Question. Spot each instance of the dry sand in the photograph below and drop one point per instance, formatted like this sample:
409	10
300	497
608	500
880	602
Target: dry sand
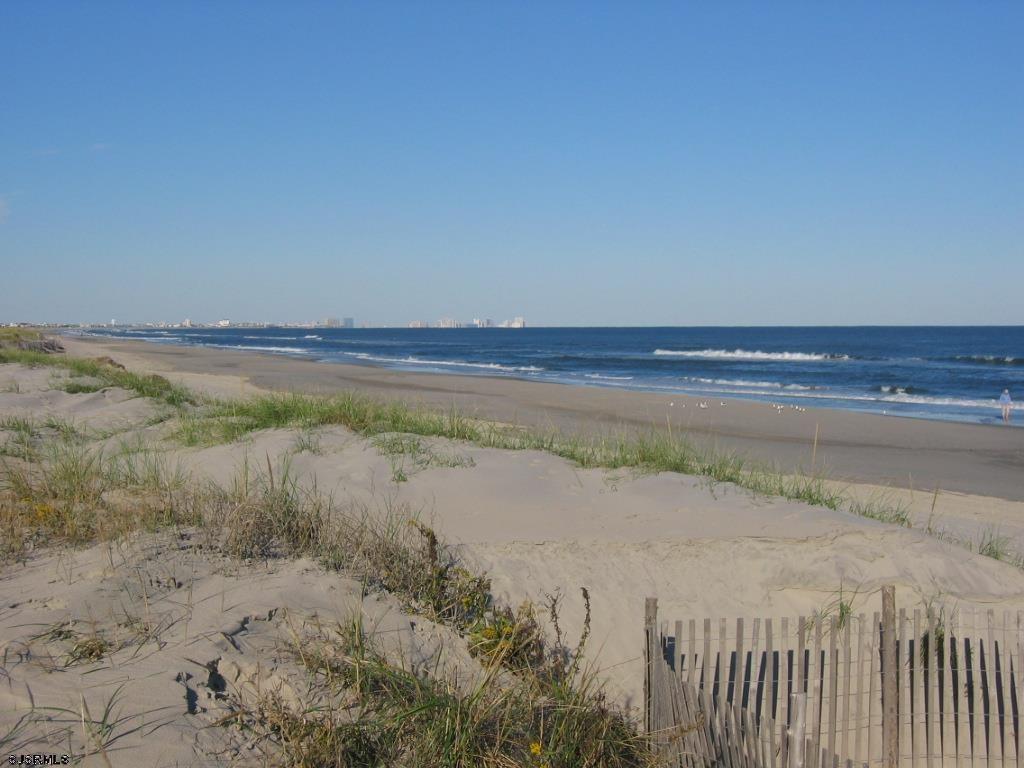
536	523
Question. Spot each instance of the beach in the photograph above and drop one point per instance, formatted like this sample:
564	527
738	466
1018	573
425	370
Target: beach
537	525
910	454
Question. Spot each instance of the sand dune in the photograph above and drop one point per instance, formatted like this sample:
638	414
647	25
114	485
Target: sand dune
535	523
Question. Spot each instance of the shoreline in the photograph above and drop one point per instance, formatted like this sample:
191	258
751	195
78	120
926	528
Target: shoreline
907	453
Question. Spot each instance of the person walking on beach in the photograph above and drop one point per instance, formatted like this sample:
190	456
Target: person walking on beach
1005	403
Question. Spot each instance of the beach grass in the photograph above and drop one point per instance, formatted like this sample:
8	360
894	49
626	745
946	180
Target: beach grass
15	335
394	426
530	703
212	421
143	384
530	719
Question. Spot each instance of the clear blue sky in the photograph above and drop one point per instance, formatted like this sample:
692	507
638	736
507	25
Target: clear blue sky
591	163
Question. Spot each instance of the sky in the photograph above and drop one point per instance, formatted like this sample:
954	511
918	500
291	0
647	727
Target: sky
575	163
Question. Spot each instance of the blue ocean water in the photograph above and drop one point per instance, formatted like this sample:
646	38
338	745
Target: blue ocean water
929	372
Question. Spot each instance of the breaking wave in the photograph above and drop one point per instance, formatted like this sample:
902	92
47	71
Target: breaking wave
743	354
445	363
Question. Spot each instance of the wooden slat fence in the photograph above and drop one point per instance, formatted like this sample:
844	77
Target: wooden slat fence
809	691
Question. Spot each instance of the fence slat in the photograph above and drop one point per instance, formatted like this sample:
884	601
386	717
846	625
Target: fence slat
798	732
1006	675
756	753
739	668
692	748
785	684
931	679
979	740
859	708
906	711
769	670
815	691
723	674
752	698
731	750
948	719
692	661
674	737
650	619
1018	687
873	685
680	655
705	683
995	751
701	705
917	687
801	679
1006	699
845	701
706	749
960	694
833	698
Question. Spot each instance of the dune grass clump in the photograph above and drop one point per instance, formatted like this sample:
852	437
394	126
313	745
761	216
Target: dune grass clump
368	711
12	336
71	493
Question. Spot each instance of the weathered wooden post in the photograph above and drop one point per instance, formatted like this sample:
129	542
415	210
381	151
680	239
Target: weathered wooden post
890	678
650	638
796	734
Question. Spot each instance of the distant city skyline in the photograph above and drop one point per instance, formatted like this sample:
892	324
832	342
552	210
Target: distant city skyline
578	164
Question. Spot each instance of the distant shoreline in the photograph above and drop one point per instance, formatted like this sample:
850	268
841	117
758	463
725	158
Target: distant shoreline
859	447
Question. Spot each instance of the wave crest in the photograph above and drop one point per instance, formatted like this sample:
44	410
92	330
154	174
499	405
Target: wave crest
989	359
743	354
445	363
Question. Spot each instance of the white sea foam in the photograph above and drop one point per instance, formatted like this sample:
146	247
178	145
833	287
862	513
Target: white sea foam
745	383
603	377
313	336
262	348
989	359
743	354
272	338
445	363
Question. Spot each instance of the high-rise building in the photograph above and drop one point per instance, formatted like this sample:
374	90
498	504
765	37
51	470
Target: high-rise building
419	324
330	322
348	322
447	322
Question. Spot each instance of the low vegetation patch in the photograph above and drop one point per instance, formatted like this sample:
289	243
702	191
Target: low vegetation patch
142	384
532	706
409	454
396	429
373	713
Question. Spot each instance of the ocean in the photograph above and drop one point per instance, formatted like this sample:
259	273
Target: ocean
951	373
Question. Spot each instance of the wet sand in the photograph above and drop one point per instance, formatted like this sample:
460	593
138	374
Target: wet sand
985	460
